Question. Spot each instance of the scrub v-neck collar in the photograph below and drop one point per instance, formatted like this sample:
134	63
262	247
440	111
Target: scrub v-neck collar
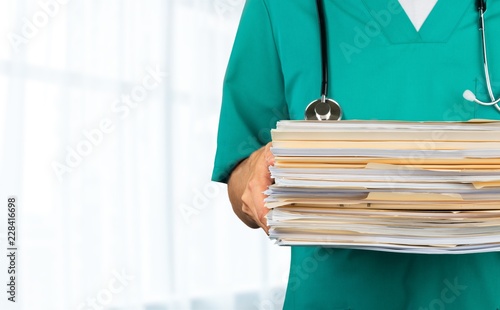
438	27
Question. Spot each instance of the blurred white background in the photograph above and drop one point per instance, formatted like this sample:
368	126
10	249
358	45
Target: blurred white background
108	120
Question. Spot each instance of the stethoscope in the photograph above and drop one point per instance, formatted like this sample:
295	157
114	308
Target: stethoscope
469	95
325	108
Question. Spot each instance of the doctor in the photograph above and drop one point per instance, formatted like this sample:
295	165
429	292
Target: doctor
388	60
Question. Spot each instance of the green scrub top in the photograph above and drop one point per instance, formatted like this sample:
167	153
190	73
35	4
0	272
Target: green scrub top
381	68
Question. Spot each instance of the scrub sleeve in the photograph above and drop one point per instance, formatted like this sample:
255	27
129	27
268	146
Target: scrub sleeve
253	95
389	72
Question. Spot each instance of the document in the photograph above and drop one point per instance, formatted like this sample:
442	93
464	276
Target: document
414	187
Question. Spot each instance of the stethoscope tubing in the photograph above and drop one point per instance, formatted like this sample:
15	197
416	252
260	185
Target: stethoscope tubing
324	49
494	101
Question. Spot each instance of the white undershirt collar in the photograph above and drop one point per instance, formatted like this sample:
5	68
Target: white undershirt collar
418	10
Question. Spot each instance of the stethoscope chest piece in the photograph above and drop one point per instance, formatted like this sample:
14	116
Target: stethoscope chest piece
323	109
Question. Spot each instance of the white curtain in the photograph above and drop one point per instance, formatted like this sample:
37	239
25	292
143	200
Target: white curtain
108	119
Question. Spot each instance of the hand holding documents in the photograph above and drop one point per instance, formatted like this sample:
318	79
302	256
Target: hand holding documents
417	187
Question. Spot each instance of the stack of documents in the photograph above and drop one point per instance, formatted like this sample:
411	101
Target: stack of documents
430	187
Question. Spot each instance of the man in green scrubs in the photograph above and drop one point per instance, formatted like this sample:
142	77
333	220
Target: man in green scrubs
381	68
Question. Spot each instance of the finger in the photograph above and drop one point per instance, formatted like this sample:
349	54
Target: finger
251	208
269	156
261	210
264	226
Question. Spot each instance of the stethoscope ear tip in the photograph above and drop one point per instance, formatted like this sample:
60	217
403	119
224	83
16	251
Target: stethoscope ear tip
469	96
